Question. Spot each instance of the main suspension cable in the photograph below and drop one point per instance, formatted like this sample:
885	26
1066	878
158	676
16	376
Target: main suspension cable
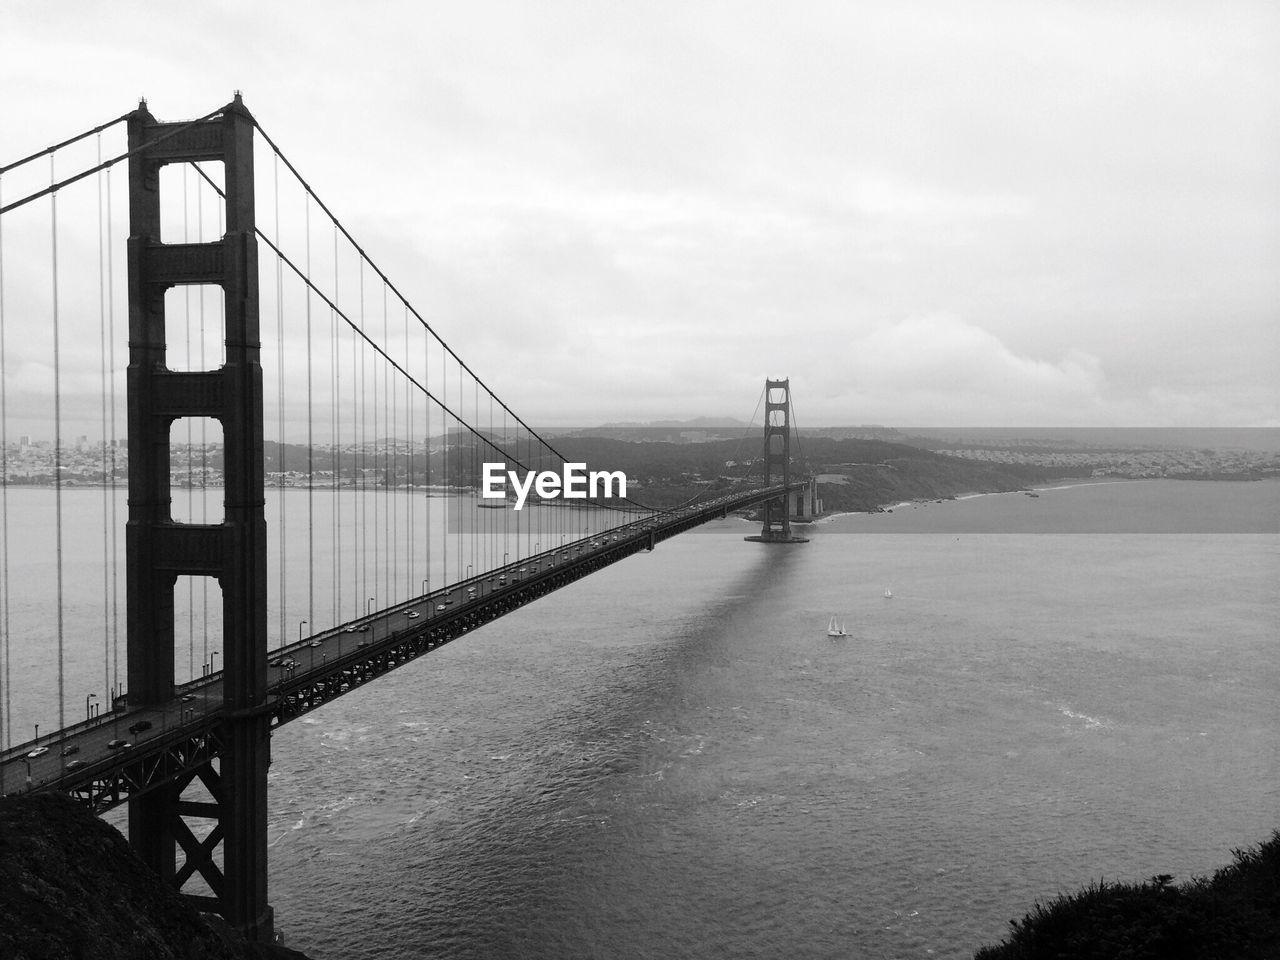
394	289
55	187
66	143
366	339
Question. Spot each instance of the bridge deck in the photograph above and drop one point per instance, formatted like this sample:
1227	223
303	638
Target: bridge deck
185	732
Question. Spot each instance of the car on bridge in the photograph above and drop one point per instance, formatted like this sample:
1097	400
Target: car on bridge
68	751
140	726
314	643
37	752
412	614
118	744
76	764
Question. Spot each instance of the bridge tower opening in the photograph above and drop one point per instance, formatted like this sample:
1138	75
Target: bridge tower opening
777	463
159	549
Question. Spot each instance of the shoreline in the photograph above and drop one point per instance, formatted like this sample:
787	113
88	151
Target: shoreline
889	507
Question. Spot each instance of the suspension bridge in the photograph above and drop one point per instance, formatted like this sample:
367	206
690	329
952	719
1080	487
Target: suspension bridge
260	335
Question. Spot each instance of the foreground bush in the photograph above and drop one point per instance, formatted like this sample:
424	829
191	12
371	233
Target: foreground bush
1233	916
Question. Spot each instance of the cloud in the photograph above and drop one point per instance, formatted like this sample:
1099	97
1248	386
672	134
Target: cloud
1058	214
927	369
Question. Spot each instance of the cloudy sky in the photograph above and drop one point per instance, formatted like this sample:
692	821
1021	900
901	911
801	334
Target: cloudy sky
991	213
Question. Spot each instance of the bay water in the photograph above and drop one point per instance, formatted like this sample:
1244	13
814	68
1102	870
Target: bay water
671	758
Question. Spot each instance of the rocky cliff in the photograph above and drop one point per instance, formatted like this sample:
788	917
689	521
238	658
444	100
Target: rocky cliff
71	888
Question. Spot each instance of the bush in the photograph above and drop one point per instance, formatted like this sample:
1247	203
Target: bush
1233	916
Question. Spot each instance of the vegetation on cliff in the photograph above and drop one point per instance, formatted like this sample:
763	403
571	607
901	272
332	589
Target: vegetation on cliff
1235	915
71	888
865	475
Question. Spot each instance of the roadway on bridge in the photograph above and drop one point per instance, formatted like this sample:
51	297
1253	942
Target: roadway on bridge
85	745
84	750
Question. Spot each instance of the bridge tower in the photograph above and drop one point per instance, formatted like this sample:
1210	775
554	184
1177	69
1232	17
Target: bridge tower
777	462
159	550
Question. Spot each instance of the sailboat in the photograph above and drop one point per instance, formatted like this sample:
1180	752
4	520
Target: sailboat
888	594
835	629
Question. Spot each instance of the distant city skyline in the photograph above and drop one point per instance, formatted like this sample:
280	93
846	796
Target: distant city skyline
995	214
1261	439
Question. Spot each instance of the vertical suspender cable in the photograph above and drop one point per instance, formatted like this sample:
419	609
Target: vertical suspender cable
490	547
388	471
459	525
475	472
283	597
186	313
6	719
115	564
510	451
427	475
337	446
106	486
311	461
377	592
448	488
57	445
357	461
408	403
204	454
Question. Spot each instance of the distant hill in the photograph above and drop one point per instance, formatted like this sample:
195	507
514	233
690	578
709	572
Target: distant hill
873	473
697	423
1101	438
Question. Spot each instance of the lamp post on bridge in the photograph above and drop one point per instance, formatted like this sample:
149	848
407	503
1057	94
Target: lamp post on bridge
425	584
92	696
367	604
300	625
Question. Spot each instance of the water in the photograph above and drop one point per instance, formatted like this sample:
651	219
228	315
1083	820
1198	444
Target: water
672	759
342	557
